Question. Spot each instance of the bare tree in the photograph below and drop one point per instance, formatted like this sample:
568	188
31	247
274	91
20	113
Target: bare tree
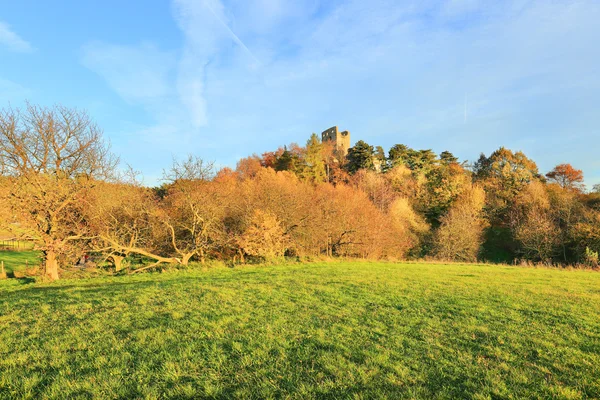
125	218
191	169
192	209
50	158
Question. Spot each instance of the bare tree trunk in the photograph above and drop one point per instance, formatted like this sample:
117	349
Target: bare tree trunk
185	260
117	262
51	266
137	250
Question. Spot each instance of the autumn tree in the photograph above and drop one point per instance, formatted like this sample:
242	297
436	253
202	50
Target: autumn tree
314	164
226	174
376	186
125	218
192	210
503	175
51	158
460	234
264	237
567	211
402	181
269	159
567	177
278	193
586	234
509	169
443	184
411	227
248	167
335	165
533	225
348	224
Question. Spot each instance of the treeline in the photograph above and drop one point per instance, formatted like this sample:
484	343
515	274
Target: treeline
500	208
59	186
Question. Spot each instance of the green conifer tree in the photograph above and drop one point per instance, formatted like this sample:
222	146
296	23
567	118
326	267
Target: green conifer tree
314	166
360	157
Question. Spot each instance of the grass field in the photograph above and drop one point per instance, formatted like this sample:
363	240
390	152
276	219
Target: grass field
340	330
19	260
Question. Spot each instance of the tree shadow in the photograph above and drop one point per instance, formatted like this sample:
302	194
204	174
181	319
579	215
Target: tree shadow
23	280
26	280
105	288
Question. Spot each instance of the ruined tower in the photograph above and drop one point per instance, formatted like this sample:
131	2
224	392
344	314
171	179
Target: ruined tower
341	140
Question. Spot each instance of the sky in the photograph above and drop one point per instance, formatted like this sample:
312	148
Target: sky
222	79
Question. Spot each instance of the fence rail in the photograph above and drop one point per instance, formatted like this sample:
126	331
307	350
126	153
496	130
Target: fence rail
16	244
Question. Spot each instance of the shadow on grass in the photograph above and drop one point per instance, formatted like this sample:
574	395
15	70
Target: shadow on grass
64	294
22	280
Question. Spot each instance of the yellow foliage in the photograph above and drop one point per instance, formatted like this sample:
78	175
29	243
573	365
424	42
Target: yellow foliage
264	237
460	235
405	218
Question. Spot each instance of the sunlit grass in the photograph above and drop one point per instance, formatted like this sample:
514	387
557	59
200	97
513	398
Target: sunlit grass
19	260
340	330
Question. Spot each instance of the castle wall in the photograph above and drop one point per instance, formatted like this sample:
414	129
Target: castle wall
341	139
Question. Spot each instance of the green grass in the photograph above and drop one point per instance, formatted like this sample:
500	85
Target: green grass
19	260
340	330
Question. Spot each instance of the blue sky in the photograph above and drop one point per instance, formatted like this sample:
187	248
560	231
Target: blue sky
223	79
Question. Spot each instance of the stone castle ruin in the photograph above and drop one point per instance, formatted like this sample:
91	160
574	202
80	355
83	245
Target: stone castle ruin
341	140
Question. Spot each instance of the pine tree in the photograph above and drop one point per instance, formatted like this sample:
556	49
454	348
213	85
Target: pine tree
287	161
447	157
360	157
398	155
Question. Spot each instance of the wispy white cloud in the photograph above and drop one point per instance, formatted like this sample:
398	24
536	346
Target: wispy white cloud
136	73
171	84
235	37
207	39
395	72
389	71
13	41
144	76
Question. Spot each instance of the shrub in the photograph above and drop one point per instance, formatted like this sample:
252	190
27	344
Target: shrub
591	257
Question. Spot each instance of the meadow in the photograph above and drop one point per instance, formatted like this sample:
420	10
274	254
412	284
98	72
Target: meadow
15	261
330	330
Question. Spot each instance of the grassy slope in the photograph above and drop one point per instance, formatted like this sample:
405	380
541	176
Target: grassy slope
16	260
333	331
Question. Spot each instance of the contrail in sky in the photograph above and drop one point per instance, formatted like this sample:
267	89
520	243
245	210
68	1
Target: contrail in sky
465	121
233	35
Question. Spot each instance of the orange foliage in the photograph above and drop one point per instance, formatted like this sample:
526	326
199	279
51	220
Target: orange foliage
567	177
